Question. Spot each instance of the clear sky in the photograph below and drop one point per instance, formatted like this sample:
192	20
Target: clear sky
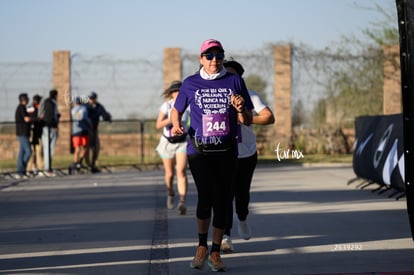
30	30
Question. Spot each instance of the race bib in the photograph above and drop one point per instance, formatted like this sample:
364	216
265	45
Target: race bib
215	125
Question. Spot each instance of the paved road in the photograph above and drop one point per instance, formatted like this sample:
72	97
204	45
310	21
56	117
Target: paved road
305	220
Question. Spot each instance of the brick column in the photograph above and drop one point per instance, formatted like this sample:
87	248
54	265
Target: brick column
172	65
61	82
282	93
392	80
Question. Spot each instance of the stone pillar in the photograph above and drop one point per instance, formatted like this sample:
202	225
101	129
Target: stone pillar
61	82
392	80
172	65
283	93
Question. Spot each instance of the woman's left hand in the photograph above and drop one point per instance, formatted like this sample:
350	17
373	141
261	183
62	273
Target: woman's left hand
237	101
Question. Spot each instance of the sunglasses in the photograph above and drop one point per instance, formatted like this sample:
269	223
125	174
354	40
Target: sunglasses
210	56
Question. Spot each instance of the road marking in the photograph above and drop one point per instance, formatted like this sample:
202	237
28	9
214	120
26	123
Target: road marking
76	266
159	257
73	252
161	264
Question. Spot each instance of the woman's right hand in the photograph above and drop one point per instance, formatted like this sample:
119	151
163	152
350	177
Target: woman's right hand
175	117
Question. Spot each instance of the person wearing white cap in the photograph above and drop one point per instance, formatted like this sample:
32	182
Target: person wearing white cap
81	125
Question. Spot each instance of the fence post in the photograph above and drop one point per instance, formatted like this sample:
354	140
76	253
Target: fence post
282	55
392	80
142	141
172	65
61	82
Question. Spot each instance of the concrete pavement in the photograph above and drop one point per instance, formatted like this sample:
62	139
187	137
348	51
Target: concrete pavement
305	220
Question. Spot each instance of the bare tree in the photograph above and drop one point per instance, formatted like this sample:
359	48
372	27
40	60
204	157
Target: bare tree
349	79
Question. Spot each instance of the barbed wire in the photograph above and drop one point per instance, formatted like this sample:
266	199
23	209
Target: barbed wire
22	77
131	88
127	88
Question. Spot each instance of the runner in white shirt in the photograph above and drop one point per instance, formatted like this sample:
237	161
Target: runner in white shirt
247	160
173	151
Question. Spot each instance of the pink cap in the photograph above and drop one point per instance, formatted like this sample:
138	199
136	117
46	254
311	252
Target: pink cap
210	43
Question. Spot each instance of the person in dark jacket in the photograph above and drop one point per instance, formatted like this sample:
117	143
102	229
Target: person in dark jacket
23	120
36	160
48	113
95	112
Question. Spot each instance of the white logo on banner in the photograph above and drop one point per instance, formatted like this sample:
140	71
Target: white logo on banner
363	144
380	149
391	162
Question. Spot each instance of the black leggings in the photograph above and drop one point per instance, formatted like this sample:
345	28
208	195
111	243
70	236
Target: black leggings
213	175
241	190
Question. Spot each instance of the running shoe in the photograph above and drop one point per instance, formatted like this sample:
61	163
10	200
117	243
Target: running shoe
21	177
244	230
41	174
50	174
170	202
215	263
182	209
95	170
200	257
226	244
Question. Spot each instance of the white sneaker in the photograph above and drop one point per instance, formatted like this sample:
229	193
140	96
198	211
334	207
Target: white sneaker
244	230
170	202
50	174
21	177
41	174
226	244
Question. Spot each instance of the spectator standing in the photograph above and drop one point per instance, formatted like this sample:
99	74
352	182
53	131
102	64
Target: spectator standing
218	100
36	160
95	111
23	120
247	160
48	113
173	151
81	125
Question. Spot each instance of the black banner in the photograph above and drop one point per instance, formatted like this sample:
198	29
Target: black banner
379	150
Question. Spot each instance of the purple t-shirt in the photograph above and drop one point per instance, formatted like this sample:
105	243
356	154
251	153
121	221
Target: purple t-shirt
213	120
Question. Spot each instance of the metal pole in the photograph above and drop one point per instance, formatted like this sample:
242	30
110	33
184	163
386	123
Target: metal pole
142	142
405	9
49	151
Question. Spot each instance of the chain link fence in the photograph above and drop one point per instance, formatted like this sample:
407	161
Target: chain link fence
131	90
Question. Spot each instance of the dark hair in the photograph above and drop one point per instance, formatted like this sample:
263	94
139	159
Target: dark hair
93	95
235	65
78	100
23	96
53	93
174	86
37	98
